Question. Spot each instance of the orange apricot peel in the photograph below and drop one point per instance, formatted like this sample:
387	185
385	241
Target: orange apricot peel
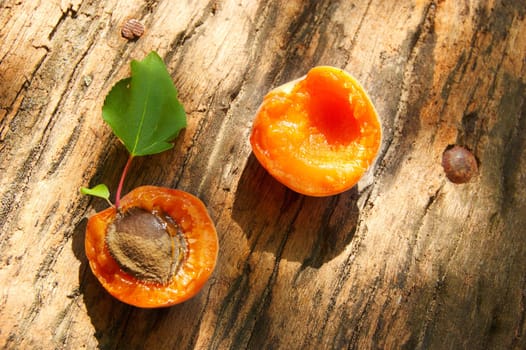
317	135
199	233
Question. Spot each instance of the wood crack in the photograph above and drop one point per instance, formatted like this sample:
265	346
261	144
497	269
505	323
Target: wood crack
521	321
401	119
354	339
431	314
412	244
262	304
231	305
188	156
342	277
12	107
195	333
67	148
188	34
358	30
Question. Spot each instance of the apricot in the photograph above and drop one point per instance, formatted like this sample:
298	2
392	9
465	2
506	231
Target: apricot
157	250
317	135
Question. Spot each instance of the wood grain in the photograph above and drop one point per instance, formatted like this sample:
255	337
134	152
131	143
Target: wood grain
405	259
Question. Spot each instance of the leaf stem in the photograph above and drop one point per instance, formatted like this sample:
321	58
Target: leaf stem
121	182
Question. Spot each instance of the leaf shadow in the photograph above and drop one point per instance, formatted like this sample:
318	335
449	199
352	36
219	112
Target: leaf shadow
308	230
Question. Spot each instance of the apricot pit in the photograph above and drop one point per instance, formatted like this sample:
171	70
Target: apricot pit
147	245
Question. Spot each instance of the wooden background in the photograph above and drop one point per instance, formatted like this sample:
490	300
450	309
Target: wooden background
405	259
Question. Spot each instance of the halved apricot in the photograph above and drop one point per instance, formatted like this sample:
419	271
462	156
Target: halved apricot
157	250
317	135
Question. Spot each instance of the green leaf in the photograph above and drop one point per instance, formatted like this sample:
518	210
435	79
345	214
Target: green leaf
97	191
143	110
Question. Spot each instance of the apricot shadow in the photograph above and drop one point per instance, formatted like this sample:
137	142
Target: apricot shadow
309	230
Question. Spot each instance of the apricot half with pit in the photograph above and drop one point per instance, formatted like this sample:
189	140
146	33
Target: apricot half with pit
157	250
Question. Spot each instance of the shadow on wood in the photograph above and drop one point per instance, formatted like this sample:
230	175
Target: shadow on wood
308	230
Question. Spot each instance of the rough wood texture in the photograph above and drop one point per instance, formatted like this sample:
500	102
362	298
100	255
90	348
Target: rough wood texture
405	259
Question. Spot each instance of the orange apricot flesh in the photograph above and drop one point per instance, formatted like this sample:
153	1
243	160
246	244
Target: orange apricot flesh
317	135
198	230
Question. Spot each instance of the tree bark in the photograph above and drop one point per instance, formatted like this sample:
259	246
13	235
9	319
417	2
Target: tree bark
405	259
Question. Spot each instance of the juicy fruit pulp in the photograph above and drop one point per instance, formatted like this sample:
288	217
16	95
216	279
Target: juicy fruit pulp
190	249
317	135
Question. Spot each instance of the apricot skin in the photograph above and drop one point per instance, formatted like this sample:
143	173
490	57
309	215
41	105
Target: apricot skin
317	135
200	235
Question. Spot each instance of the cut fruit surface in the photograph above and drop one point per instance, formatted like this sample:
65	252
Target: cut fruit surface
196	253
317	135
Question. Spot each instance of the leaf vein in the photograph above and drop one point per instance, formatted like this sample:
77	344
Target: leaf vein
143	116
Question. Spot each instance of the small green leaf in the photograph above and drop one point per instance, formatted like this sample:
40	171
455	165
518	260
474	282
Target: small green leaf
143	110
97	191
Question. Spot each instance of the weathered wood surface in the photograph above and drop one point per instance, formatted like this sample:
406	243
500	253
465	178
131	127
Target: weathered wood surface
405	259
